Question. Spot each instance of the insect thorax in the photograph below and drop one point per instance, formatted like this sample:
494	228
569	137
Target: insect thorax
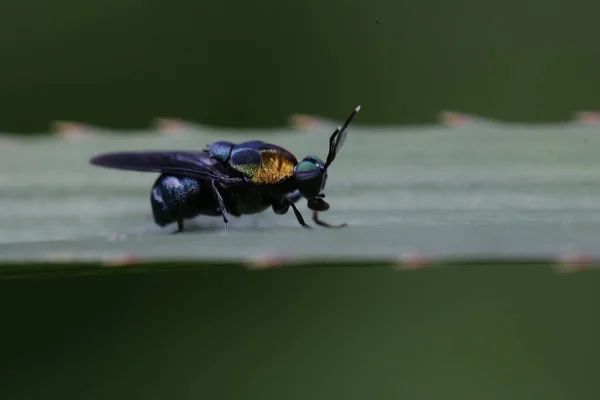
263	166
220	150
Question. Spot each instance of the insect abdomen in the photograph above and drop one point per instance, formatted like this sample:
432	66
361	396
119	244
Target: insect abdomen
174	197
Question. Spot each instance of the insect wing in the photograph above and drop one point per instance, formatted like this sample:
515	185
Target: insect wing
193	164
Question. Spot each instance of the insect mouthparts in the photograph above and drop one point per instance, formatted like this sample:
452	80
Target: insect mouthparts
318	204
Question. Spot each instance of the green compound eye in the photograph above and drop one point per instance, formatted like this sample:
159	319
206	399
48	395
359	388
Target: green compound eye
310	175
306	170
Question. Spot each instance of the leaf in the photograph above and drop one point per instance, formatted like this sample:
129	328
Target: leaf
487	192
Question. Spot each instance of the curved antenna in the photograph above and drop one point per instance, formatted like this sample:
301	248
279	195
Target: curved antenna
337	139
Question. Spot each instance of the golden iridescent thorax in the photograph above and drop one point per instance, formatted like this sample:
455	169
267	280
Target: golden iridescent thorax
274	167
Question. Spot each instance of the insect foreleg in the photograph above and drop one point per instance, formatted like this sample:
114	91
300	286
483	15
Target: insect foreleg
281	208
315	217
294	196
282	205
298	215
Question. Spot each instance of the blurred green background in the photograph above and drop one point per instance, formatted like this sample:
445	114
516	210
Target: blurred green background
121	63
503	333
479	332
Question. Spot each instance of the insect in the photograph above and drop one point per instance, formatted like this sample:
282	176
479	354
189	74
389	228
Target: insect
232	179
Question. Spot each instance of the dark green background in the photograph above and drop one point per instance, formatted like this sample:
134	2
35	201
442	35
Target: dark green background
123	62
480	332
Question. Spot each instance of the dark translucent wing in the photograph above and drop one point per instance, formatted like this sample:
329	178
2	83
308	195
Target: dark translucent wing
337	139
194	164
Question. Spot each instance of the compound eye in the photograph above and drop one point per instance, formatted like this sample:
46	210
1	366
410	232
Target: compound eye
315	160
307	170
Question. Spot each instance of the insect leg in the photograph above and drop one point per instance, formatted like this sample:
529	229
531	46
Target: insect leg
280	208
299	216
180	224
294	196
222	208
315	217
281	205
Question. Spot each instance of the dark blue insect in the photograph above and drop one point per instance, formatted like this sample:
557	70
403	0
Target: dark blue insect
231	179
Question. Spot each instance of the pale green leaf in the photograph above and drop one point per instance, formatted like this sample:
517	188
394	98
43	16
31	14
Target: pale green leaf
484	190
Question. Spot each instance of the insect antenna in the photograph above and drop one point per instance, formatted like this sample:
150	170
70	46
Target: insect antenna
337	139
